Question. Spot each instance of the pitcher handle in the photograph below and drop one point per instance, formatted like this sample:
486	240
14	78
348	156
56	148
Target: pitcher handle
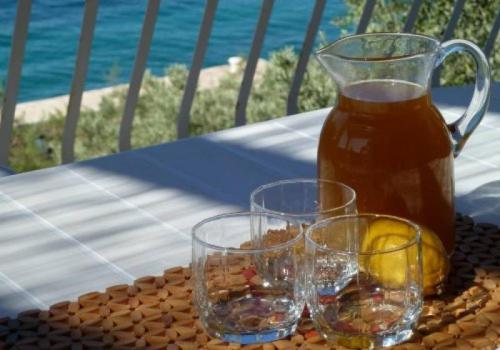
463	127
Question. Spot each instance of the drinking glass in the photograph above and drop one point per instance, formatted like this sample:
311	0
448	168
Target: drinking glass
237	300
304	199
379	302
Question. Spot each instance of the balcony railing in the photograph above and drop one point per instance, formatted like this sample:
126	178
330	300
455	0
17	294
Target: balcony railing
82	60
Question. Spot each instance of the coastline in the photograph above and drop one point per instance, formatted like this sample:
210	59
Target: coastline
39	110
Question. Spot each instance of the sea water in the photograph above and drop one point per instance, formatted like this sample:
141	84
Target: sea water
55	29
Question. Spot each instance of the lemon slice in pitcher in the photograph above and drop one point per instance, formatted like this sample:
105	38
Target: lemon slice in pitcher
390	268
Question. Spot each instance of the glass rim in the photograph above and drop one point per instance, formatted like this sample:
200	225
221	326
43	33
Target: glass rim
261	188
415	240
324	51
249	214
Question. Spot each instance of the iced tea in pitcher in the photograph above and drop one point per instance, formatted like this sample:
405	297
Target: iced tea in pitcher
385	138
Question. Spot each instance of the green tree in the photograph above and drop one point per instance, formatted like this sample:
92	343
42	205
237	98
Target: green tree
475	23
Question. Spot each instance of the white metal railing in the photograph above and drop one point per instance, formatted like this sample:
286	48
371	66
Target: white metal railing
490	42
14	74
194	72
81	65
141	58
366	15
412	15
240	117
124	141
448	34
312	30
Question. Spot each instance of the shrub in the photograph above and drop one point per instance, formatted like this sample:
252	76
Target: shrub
38	145
157	110
474	24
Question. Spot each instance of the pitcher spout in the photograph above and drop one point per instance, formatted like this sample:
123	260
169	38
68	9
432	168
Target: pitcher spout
380	56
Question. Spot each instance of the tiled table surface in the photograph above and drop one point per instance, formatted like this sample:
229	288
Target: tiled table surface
77	228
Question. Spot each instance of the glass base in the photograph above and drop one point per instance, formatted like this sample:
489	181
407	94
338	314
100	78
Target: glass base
395	337
257	337
386	339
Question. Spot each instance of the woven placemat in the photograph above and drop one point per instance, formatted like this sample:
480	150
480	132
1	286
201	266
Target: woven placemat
156	312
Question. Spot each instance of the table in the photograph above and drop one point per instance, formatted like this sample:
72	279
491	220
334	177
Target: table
85	226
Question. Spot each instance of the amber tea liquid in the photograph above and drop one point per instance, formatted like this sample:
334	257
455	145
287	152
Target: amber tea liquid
386	140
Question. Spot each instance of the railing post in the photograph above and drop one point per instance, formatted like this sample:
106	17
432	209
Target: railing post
13	76
194	72
141	58
312	30
457	10
366	16
251	64
80	74
412	16
488	47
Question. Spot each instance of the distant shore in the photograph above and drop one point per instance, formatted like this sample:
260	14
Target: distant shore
38	110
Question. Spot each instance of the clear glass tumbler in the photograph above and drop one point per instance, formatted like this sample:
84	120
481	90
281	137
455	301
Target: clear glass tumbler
376	303
305	200
245	290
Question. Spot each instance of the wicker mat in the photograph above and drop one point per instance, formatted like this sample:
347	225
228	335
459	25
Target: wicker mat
156	312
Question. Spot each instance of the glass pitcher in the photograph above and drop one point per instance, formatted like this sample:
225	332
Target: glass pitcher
385	138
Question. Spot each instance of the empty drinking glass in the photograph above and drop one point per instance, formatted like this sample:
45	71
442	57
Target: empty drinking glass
305	200
248	291
379	302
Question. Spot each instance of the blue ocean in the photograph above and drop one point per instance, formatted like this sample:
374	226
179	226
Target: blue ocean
55	29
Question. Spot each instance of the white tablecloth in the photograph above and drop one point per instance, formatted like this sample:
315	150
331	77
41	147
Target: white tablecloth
77	228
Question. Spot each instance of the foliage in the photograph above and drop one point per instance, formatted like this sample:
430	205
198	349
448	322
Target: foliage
39	145
474	24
